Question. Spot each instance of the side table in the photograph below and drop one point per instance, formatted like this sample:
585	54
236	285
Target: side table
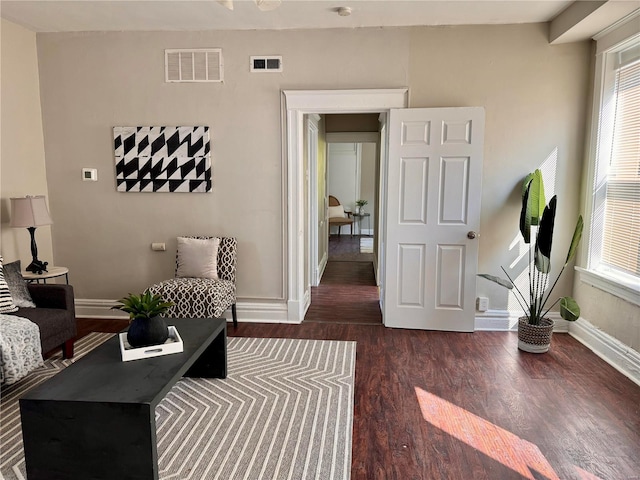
52	272
358	217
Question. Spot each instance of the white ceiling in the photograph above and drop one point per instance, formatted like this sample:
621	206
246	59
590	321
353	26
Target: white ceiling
118	15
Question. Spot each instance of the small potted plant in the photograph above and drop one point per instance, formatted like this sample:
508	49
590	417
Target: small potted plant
534	328
146	326
360	206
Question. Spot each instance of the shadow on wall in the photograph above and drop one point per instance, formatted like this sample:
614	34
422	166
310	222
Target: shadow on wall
10	236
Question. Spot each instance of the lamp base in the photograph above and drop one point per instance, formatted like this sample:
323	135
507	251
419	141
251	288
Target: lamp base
36	266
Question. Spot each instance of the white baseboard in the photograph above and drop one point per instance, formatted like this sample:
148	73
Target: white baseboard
91	308
322	266
259	312
620	356
494	321
505	321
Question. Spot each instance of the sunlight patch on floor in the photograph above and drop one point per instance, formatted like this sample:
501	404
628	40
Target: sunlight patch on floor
501	445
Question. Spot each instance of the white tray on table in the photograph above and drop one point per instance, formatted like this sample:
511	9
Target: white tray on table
172	345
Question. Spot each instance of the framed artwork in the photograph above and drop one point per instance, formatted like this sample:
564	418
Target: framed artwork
162	159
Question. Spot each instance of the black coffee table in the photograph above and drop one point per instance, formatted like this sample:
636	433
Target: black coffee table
96	418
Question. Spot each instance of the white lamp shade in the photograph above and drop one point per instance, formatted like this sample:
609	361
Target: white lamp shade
30	212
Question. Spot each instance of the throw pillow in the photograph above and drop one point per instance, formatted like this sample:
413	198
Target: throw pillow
6	301
17	286
337	211
198	258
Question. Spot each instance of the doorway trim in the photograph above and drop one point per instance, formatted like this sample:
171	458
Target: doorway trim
312	156
295	104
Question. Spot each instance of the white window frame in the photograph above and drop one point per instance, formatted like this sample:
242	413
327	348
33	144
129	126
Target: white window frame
609	43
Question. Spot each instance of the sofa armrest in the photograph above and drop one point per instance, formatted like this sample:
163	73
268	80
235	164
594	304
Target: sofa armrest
52	296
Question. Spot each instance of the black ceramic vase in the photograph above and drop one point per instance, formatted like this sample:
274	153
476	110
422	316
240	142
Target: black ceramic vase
144	332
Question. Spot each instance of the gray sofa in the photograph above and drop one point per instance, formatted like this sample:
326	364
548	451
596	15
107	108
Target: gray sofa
55	315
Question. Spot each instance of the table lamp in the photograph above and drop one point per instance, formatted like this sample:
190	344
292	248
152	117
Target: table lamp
31	212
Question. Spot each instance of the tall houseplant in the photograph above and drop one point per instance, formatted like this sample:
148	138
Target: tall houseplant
534	328
147	327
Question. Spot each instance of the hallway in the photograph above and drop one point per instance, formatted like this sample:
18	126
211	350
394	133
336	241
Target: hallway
347	292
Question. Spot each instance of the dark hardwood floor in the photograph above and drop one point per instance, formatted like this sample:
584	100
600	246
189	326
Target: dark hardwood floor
347	292
88	325
488	412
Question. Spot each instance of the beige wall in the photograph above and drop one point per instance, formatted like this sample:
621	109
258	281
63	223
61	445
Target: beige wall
535	97
22	160
94	81
611	314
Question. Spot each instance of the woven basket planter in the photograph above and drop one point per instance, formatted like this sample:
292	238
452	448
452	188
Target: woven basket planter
534	338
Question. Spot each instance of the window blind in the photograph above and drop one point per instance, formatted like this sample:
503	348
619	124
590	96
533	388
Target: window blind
621	220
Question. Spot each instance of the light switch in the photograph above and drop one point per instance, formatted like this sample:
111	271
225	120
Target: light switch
89	174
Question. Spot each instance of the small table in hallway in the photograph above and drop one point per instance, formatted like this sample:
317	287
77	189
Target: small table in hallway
358	219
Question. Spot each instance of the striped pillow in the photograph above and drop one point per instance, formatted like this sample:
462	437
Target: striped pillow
6	302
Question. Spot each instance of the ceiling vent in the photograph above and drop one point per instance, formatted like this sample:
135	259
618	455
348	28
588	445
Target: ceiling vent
271	63
189	65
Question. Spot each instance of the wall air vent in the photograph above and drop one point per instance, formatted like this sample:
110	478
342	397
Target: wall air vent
193	65
270	63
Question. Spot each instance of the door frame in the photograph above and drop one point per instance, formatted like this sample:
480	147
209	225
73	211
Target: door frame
312	174
295	104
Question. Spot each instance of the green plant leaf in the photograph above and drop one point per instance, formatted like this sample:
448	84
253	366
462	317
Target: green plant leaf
145	305
526	182
498	280
569	309
537	200
544	240
525	216
543	264
575	241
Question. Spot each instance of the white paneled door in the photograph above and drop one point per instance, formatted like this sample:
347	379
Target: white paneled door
343	173
433	217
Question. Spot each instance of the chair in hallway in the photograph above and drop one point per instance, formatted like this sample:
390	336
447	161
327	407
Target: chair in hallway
337	216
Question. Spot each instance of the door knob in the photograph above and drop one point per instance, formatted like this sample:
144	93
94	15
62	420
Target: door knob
471	235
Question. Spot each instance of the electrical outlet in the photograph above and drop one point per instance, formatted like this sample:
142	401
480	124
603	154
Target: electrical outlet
158	247
482	304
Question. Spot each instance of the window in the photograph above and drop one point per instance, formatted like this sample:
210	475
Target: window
614	234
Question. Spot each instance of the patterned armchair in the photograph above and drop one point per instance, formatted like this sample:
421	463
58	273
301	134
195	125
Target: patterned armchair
204	297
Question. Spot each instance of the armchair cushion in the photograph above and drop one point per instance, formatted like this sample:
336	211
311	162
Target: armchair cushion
53	295
336	212
55	314
196	297
197	257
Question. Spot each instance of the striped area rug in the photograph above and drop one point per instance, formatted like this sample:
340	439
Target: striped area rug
285	411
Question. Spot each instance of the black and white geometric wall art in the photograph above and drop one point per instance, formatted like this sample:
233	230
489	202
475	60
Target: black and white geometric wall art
162	159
